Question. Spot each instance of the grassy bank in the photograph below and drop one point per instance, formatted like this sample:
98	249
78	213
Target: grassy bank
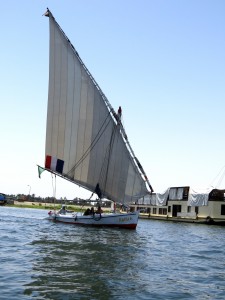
49	206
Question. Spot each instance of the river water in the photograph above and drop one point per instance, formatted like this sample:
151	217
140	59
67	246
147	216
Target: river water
159	260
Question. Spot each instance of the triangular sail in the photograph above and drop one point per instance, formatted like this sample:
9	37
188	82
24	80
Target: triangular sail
85	141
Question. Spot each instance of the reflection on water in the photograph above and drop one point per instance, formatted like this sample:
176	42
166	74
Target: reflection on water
85	262
159	260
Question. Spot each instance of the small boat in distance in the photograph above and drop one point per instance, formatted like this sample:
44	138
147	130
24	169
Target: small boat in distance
85	140
3	199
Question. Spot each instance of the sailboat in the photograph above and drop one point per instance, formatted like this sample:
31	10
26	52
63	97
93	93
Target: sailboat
85	139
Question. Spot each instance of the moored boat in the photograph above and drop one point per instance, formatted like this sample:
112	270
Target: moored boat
3	199
184	204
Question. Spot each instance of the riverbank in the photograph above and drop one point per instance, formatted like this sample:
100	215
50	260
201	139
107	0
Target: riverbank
49	206
40	205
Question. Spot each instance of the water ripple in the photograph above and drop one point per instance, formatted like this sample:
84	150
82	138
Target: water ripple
159	260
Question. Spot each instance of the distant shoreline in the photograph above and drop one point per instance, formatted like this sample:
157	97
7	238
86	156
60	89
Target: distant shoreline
41	205
49	206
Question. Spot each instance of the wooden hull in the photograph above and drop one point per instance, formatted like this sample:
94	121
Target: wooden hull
128	220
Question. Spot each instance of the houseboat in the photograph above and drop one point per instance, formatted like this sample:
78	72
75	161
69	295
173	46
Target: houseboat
184	204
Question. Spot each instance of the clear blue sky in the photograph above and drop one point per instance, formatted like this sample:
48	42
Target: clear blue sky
163	61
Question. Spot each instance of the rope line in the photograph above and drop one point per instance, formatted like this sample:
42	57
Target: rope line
92	145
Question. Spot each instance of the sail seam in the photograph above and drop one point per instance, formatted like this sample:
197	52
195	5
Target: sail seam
92	145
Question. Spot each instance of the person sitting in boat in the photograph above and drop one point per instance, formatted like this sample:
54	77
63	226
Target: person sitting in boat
92	211
99	210
87	212
63	210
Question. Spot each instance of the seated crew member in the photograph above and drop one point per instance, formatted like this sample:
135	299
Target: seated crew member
87	212
99	210
63	210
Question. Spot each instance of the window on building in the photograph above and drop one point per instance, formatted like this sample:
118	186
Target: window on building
185	193
162	211
154	210
169	208
196	210
189	209
222	209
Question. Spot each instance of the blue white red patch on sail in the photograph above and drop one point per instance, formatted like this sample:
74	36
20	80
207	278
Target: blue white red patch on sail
53	163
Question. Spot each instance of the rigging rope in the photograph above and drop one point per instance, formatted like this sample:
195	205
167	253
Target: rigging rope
105	165
54	188
92	145
222	172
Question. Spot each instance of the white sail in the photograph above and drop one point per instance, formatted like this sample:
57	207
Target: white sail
85	140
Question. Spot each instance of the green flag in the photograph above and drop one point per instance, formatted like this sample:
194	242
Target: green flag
40	170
